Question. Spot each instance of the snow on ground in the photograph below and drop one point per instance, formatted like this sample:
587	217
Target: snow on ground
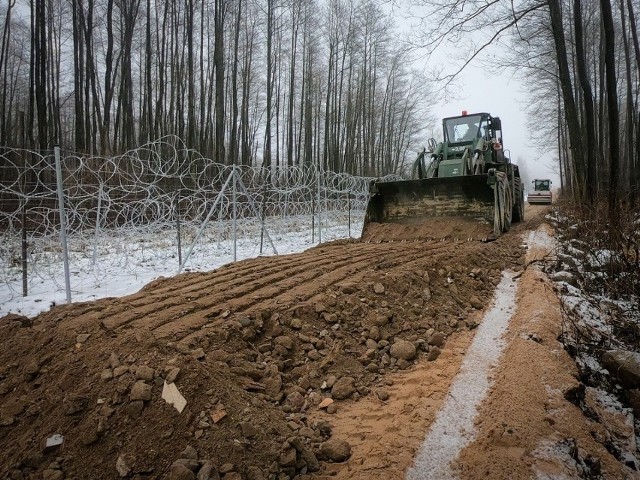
540	239
123	263
453	428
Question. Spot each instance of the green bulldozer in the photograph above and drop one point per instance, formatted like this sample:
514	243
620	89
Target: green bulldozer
466	176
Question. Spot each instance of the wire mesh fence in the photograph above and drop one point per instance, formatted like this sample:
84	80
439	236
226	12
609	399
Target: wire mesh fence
156	209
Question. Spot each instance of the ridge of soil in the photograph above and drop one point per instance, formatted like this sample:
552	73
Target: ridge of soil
253	347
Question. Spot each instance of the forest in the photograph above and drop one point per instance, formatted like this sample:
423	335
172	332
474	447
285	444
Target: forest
333	83
243	82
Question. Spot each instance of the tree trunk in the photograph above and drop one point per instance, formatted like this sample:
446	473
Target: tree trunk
589	125
612	107
218	60
571	113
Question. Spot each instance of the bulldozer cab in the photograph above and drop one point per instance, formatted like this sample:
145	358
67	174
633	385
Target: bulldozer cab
463	129
466	137
542	185
467	129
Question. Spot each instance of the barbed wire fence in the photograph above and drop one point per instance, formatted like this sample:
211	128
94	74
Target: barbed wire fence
160	206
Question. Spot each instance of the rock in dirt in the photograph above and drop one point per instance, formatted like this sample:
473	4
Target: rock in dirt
433	354
402	364
114	360
383	395
295	401
623	365
172	375
208	472
284	341
190	453
140	391
144	372
325	403
320	307
288	457
475	302
378	288
179	471
134	408
343	388
437	339
53	442
335	450
124	464
403	349
248	430
254	473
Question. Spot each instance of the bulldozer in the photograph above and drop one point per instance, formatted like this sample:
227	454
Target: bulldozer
541	194
466	176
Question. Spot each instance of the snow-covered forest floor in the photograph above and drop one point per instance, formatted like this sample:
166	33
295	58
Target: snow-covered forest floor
596	271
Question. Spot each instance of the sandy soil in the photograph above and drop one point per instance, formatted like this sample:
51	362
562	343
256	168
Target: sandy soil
527	427
330	363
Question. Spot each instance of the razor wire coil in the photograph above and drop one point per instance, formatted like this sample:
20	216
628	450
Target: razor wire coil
115	206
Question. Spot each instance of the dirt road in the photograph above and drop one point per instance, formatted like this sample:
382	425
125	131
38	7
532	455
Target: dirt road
373	333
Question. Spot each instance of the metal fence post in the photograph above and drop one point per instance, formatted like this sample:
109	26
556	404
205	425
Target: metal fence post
25	282
319	208
63	223
97	232
178	228
235	213
349	207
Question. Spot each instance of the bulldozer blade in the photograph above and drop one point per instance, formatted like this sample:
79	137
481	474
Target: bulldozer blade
539	198
418	201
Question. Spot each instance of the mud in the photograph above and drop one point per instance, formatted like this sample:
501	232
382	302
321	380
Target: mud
253	347
256	346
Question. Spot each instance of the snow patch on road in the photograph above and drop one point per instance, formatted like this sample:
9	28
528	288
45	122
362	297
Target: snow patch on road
453	428
541	239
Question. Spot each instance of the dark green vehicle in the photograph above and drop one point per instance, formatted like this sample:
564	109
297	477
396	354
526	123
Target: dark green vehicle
466	175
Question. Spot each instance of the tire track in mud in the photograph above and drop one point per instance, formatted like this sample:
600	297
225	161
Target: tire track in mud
273	276
305	288
309	286
172	291
299	286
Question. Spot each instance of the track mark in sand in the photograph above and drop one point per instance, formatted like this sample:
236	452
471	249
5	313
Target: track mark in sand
453	428
303	278
253	278
299	288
